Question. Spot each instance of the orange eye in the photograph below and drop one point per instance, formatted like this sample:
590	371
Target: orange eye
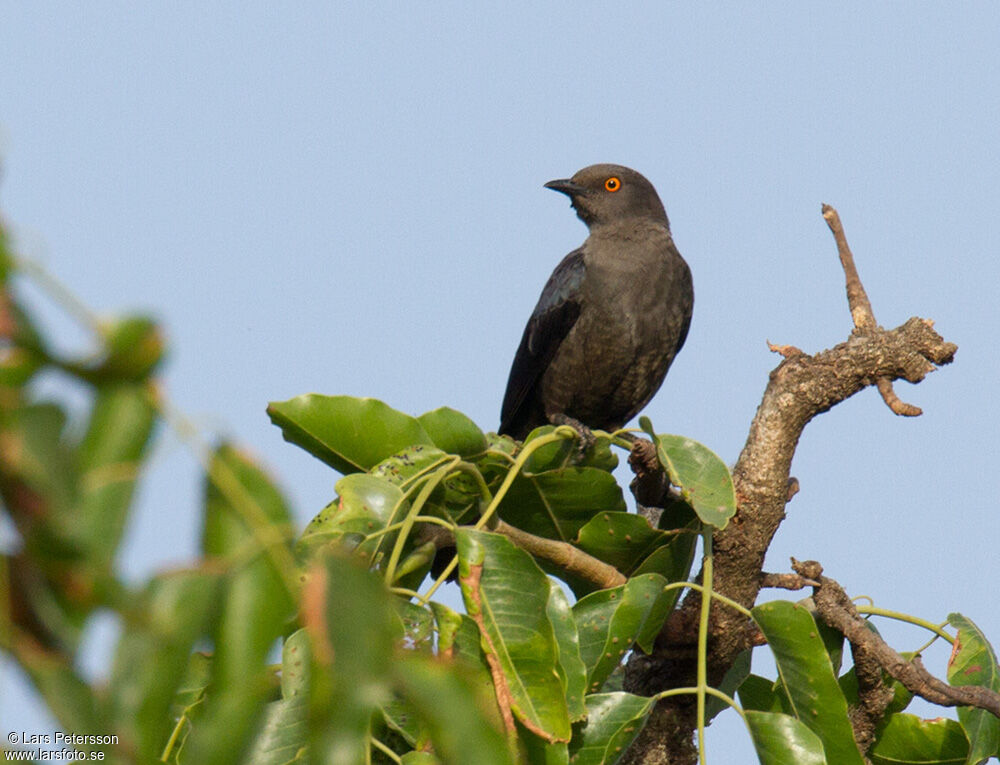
612	184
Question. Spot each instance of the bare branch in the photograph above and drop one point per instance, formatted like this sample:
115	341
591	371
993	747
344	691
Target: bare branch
837	610
800	387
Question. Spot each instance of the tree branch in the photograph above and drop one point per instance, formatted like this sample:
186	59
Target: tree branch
837	610
799	388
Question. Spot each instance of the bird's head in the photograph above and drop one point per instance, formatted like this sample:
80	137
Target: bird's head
603	194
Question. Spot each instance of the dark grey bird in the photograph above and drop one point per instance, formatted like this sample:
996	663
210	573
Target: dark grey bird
612	316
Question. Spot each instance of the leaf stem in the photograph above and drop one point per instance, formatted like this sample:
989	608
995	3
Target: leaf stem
901	617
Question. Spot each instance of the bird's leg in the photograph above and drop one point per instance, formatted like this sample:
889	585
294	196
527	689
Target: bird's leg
586	436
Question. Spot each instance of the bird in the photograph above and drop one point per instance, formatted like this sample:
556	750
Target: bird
610	319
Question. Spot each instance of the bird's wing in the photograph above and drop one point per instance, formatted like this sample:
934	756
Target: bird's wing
550	322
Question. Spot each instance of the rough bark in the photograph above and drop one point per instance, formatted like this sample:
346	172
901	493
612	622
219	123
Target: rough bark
800	387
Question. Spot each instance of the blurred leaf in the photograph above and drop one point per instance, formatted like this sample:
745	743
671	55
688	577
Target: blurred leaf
780	739
533	750
558	503
571	669
109	460
191	689
67	696
807	676
452	432
703	478
349	679
452	714
506	593
38	480
610	621
973	662
419	758
247	527
349	434
153	655
613	721
133	346
905	738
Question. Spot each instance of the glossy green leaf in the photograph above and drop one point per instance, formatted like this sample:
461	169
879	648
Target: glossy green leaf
702	477
349	434
781	739
366	504
507	594
905	738
558	503
109	460
296	659
973	662
613	721
610	621
566	453
457	497
153	653
624	540
763	695
349	678
451	712
807	676
453	432
673	560
572	671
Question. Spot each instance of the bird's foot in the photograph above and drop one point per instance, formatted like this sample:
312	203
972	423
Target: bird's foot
586	437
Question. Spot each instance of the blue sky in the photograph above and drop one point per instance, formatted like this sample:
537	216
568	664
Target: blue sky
348	199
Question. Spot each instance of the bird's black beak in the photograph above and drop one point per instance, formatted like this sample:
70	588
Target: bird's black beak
565	186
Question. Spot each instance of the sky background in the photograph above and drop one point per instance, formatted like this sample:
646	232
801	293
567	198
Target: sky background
347	198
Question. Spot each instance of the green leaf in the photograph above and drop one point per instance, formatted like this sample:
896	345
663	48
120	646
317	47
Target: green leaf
507	594
702	477
763	695
905	738
452	432
349	678
733	679
349	434
283	731
451	712
673	560
625	540
366	504
109	460
782	740
558	503
610	621
565	453
153	653
572	671
973	662
807	676
133	348
613	721
248	528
